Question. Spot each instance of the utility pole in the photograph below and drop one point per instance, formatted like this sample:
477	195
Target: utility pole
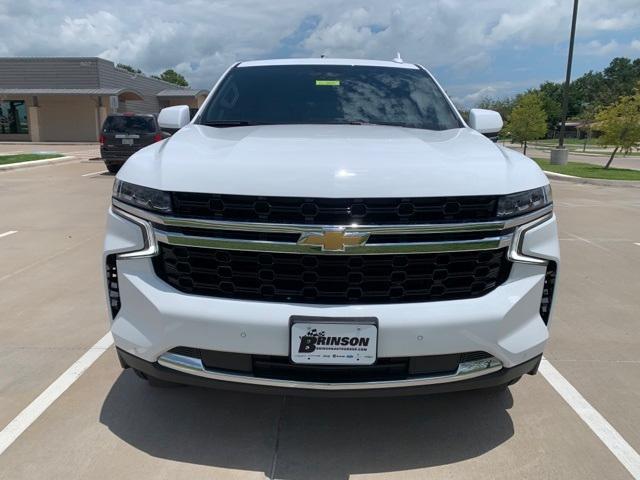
560	155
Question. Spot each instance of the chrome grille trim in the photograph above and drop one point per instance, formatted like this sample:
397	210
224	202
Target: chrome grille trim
194	366
488	243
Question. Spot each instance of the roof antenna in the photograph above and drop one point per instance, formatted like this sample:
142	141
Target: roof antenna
398	58
322	56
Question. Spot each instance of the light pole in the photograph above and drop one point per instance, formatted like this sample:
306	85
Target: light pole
560	155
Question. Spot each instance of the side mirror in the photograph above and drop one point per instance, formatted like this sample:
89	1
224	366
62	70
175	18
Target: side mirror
487	122
172	119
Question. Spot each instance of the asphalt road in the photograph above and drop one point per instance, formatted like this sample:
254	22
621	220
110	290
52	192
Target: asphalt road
110	424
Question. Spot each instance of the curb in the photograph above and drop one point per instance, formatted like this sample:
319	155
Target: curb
592	181
37	163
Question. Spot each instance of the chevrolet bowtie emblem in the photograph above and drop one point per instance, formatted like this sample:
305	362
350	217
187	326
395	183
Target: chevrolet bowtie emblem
333	240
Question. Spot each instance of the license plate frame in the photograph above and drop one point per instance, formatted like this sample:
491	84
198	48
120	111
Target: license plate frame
361	346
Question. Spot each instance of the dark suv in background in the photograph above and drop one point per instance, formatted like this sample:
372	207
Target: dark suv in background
123	134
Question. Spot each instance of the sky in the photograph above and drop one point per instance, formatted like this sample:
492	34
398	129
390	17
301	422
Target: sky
474	48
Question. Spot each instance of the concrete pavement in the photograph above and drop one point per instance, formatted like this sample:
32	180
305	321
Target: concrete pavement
109	424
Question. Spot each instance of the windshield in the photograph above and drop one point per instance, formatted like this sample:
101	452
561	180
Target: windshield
329	94
129	124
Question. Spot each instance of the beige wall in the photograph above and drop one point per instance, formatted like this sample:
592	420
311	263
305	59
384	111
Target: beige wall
68	118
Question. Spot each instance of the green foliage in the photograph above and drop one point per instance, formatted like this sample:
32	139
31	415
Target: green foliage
26	157
620	124
502	106
129	68
589	170
528	120
168	75
551	98
588	93
621	78
174	77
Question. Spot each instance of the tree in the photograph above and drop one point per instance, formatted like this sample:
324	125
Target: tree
528	120
588	117
502	106
174	77
621	77
620	124
592	90
129	68
551	98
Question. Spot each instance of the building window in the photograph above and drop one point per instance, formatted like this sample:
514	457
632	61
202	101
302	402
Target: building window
13	117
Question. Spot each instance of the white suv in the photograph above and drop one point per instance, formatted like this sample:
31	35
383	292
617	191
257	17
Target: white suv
330	226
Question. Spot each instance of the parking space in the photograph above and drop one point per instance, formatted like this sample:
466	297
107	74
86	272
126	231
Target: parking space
109	424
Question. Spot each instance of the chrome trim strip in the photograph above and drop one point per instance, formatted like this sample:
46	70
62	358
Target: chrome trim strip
515	249
150	248
489	243
301	228
194	366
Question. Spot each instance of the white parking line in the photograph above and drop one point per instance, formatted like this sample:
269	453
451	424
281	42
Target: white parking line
629	458
93	174
637	243
6	234
586	240
32	412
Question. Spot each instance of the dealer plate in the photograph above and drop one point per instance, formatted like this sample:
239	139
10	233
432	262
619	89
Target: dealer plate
343	343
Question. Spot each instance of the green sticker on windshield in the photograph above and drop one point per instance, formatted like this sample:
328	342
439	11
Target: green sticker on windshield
334	83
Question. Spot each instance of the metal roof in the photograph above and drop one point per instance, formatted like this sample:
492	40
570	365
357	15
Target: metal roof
181	92
68	91
327	61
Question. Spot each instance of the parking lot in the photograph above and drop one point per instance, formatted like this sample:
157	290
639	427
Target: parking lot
110	424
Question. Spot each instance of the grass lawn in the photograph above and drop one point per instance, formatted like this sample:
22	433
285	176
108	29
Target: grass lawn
26	157
576	145
587	170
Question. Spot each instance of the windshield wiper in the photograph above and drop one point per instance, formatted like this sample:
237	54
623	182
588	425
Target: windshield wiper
386	124
230	123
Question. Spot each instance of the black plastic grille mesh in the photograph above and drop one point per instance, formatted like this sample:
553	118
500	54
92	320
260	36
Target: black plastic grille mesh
547	291
334	211
112	285
331	279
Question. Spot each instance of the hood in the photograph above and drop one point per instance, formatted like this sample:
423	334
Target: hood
331	161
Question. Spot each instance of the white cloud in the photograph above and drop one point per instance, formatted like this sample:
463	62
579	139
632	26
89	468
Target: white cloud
611	48
200	38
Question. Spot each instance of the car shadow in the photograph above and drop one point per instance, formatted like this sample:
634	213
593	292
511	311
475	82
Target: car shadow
299	437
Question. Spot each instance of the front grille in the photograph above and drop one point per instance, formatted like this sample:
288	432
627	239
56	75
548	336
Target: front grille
279	367
331	279
334	211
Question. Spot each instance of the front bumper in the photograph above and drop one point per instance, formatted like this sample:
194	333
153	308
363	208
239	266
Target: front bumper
495	378
154	318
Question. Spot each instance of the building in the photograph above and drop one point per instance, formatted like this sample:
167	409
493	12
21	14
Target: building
67	99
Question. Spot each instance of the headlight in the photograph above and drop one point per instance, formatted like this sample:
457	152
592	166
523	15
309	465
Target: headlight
524	202
142	197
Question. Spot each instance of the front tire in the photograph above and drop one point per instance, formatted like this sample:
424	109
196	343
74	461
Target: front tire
113	168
